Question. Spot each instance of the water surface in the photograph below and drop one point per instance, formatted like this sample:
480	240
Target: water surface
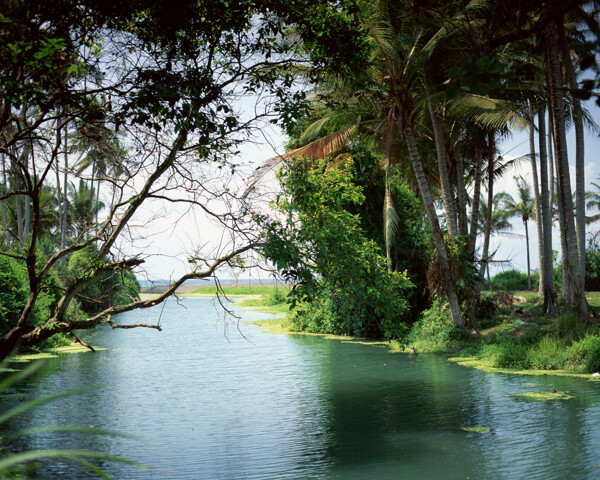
206	400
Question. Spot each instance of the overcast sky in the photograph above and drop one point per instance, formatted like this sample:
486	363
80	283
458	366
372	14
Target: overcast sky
175	236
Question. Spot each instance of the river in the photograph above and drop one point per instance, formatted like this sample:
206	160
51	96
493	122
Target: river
204	399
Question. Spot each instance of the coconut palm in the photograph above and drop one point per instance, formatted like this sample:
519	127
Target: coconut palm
498	219
524	208
84	209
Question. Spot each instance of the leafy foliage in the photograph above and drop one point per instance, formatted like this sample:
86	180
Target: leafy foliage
510	280
14	294
434	332
592	268
343	283
118	287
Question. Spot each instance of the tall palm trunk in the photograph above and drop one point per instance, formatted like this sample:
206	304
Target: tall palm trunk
570	256
475	208
27	198
528	257
490	202
579	150
463	220
536	195
440	149
18	206
58	189
551	194
436	231
63	227
546	274
5	184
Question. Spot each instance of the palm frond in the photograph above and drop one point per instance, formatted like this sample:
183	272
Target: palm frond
314	129
464	19
489	112
321	148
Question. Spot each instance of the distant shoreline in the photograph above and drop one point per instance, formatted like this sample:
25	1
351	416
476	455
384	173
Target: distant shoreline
187	288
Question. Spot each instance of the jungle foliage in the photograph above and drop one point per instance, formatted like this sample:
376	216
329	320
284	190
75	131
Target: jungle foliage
343	283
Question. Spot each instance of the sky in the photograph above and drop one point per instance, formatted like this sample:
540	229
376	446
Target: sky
512	247
177	233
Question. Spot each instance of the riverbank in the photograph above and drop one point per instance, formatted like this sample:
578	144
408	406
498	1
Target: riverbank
513	339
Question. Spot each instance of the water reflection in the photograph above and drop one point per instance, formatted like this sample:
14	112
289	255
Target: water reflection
206	406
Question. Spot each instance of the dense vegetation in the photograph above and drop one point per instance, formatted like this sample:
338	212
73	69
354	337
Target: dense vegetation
447	81
105	109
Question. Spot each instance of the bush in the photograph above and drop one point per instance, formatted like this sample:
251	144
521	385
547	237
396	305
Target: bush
277	297
435	332
548	354
585	353
511	280
507	354
118	287
14	294
592	269
486	308
374	311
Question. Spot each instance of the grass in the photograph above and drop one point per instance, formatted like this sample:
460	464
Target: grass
542	396
518	340
240	291
475	429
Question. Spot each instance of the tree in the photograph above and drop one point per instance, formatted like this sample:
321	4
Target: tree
342	282
84	208
572	284
167	78
524	207
493	219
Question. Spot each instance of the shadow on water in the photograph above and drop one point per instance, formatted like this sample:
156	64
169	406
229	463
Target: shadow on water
203	405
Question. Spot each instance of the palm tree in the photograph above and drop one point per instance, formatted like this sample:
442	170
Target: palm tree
524	208
84	209
498	219
572	284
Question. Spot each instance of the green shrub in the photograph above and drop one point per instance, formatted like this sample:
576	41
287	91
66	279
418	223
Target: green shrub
117	287
548	354
435	332
277	297
14	294
508	354
486	308
592	268
511	280
585	353
376	312
567	327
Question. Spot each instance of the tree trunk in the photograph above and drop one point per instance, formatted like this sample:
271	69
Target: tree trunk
579	150
63	227
27	198
18	206
58	190
5	185
536	194
548	277
567	226
463	221
440	149
490	201
475	207
551	183
436	232
528	259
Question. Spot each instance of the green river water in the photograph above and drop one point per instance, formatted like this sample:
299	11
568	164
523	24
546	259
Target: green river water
204	400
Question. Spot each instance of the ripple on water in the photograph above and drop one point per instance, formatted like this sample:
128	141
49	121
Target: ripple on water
261	406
